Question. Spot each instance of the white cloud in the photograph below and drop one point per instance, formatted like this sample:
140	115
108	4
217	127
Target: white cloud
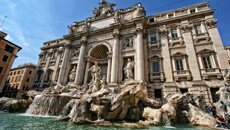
26	44
9	38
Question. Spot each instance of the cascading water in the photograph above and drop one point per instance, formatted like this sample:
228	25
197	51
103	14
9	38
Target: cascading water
66	109
48	105
166	119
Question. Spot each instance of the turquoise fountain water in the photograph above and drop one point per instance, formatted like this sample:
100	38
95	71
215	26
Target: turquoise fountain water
25	122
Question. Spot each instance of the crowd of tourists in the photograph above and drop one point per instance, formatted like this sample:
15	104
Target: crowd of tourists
221	121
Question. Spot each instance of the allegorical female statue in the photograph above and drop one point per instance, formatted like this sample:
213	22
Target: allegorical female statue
128	69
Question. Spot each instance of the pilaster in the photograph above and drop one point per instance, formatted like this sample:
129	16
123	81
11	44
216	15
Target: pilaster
57	64
217	44
190	49
46	67
166	55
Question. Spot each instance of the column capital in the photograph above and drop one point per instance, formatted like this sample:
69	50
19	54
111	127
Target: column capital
50	52
67	45
116	33
186	28
211	23
138	31
60	49
163	32
83	40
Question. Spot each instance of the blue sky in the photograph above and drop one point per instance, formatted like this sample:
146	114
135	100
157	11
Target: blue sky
48	19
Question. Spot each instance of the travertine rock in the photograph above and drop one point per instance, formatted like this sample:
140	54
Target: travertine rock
198	117
151	114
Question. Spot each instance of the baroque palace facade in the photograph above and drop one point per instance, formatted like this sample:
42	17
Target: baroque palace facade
175	51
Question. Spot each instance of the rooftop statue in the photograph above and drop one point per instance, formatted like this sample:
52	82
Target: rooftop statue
105	9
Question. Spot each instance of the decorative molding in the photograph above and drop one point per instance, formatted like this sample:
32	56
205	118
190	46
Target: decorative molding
186	28
211	23
163	32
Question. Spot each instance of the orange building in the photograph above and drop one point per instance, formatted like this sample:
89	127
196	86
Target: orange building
19	80
8	52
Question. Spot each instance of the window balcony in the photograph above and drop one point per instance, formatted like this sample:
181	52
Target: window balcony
182	75
212	72
156	76
154	45
201	37
176	40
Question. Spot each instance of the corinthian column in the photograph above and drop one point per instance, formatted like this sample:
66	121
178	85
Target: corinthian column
64	63
115	57
80	68
140	54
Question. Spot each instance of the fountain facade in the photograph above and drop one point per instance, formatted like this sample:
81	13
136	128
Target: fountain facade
122	65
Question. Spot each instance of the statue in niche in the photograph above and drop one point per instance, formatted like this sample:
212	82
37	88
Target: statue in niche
128	43
128	70
95	72
72	74
117	16
139	12
70	29
75	52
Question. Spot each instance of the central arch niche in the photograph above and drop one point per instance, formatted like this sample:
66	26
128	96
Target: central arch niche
100	54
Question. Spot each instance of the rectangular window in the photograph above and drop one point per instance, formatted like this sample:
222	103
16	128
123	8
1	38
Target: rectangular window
192	11
19	79
179	65
171	15
16	79
153	37
174	33
156	66
11	73
5	58
30	72
12	79
28	79
14	72
9	49
44	57
184	90
198	29
54	55
1	69
21	71
151	20
207	62
18	72
157	93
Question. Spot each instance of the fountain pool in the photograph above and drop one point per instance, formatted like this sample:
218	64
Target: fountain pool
25	122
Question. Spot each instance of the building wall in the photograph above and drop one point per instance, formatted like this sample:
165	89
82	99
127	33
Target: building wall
11	56
187	49
19	80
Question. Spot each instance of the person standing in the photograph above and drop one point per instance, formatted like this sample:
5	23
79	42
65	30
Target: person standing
224	107
213	110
